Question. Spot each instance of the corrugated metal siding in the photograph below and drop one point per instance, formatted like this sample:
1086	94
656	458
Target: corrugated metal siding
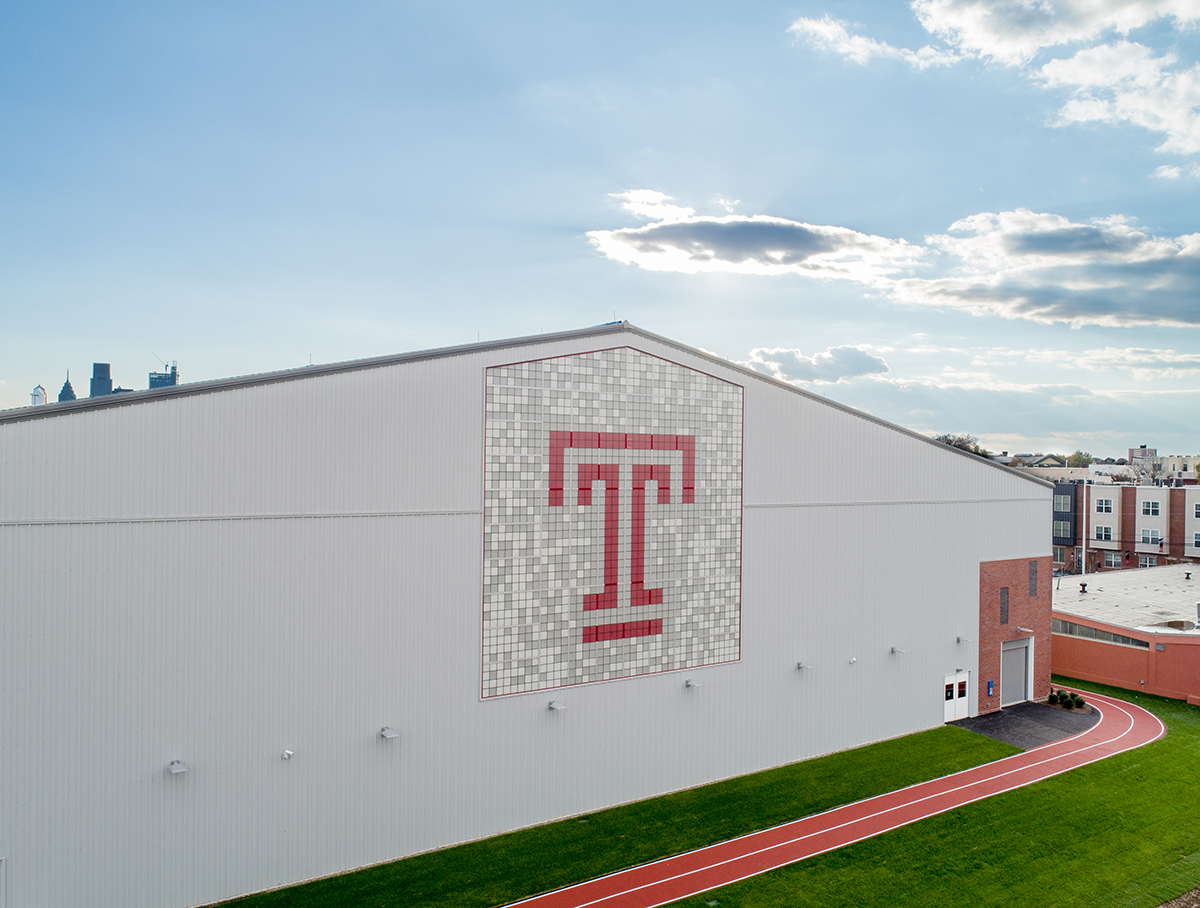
219	578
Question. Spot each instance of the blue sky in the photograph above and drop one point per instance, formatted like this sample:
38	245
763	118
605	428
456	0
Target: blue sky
959	215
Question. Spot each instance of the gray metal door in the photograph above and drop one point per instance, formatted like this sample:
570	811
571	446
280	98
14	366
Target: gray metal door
1014	672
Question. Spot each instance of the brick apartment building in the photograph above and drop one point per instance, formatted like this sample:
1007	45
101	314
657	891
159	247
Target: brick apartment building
1114	527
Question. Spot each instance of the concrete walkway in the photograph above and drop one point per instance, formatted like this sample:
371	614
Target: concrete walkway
1122	726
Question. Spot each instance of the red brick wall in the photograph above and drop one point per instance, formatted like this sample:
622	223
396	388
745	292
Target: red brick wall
1023	611
1120	666
1175	514
1128	526
1172	672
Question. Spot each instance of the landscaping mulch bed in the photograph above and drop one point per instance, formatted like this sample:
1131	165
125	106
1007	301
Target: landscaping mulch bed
1187	900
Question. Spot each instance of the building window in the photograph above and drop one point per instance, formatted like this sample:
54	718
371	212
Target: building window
1150	537
1062	503
1104	533
1198	510
1103	505
1062	529
1149	508
1033	578
1060	552
1059	626
1112	559
1196	540
1147	560
1004	605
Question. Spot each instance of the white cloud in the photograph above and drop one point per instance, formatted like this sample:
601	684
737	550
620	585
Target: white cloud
1015	31
832	35
1112	81
647	203
1166	172
1015	264
1046	268
1146	363
835	364
1125	82
757	244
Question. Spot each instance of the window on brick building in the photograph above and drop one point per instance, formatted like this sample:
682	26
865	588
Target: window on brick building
1004	605
1196	540
1104	505
1104	534
1147	560
1112	559
1033	578
1149	508
1060	553
1150	537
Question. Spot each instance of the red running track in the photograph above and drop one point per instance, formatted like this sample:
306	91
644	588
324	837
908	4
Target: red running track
1122	727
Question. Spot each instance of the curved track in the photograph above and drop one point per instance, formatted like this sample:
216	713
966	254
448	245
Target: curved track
1122	727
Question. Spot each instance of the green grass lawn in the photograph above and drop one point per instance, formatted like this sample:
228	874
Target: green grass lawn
509	867
1121	832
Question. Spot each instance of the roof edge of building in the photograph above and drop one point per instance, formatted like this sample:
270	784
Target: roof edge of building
63	408
845	408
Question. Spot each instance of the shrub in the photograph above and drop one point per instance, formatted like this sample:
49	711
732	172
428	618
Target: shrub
1052	699
1068	703
1079	701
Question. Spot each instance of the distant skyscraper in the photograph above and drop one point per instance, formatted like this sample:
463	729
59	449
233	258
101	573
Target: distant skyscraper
101	380
37	396
165	379
67	392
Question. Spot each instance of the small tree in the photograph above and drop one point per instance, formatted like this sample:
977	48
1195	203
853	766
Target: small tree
1080	459
968	443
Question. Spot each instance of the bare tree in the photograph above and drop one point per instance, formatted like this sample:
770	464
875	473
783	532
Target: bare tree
1149	470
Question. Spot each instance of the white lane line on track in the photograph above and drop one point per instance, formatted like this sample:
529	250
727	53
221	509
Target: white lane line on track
871	835
845	807
839	807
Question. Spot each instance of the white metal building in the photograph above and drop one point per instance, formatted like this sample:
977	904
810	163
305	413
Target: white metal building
248	580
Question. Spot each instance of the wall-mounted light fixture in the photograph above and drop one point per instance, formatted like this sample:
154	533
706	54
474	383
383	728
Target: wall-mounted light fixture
803	665
1024	630
853	659
690	683
288	754
177	767
388	732
961	640
898	652
556	706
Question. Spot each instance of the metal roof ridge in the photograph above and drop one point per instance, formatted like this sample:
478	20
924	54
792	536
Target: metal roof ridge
48	410
62	408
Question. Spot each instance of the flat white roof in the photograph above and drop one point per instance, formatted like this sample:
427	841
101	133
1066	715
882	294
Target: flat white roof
1144	599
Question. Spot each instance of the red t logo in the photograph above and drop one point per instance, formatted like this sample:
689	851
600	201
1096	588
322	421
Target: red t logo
609	473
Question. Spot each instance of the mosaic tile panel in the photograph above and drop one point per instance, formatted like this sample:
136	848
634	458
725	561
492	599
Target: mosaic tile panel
612	520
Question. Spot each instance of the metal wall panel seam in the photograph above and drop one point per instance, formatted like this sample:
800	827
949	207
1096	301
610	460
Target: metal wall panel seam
911	501
102	521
